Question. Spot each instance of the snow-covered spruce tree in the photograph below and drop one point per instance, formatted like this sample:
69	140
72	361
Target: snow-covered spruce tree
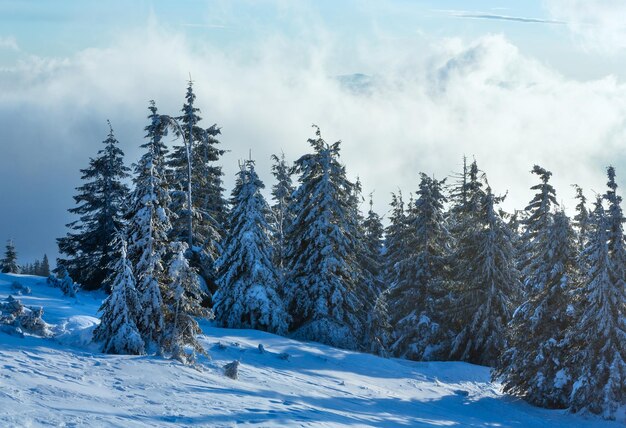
467	197
487	281
368	232
85	250
200	225
282	215
324	272
395	247
581	219
183	299
396	234
418	296
534	262
148	229
617	248
373	232
534	366
248	294
9	262
118	330
599	333
465	219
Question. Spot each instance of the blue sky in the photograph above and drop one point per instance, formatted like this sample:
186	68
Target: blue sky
510	82
64	27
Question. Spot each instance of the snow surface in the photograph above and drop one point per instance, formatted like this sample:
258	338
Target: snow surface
65	381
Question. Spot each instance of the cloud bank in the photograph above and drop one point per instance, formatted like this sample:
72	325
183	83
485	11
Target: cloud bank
597	25
427	104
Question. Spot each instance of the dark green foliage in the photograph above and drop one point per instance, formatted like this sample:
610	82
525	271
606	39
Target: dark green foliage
86	250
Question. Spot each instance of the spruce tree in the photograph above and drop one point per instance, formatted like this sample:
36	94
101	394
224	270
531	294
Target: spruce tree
368	246
599	354
9	262
118	330
534	365
324	272
249	295
396	234
282	192
373	240
86	250
36	268
196	190
183	299
535	261
581	219
395	238
148	229
487	281
466	197
417	297
44	269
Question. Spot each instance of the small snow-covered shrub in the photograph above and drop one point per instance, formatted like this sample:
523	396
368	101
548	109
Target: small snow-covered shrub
20	289
32	322
17	318
63	281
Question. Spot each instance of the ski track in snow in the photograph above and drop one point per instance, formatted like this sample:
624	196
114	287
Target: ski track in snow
66	382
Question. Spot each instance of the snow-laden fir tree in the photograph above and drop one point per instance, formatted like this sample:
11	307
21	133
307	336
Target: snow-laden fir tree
373	232
100	202
418	294
248	295
464	218
118	330
486	284
148	229
201	224
534	366
378	327
368	232
9	261
535	266
599	333
282	215
395	246
324	272
183	298
615	216
396	234
466	196
581	219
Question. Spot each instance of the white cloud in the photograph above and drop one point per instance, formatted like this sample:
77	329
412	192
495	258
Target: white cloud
427	108
9	43
598	25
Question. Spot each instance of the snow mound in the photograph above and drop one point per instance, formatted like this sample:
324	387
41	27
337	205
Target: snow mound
76	331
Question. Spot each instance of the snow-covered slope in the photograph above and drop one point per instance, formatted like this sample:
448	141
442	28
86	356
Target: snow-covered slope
64	381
